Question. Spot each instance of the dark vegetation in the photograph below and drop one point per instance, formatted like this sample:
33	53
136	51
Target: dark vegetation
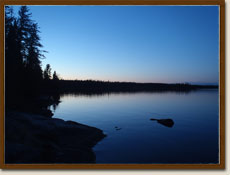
24	78
90	86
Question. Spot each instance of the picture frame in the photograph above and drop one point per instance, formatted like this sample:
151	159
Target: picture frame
221	165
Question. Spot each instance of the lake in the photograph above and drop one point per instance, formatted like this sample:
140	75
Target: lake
133	138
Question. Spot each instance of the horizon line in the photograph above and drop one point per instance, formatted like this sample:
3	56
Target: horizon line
189	83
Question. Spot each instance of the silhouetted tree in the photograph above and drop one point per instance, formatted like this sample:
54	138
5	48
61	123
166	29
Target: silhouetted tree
13	60
34	54
23	54
55	76
30	49
9	18
47	72
24	28
12	49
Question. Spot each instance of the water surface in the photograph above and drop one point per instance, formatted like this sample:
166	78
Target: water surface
133	138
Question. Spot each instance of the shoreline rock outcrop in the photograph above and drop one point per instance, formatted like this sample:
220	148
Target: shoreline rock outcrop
32	138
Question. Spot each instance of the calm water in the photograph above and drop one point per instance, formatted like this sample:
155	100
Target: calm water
133	138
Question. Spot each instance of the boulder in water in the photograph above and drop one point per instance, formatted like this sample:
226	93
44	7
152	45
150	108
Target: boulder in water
165	122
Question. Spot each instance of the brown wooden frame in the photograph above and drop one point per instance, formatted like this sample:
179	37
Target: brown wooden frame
220	3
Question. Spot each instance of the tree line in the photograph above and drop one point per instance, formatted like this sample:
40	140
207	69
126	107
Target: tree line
23	56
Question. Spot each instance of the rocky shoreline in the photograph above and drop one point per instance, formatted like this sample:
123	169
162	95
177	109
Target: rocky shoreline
35	138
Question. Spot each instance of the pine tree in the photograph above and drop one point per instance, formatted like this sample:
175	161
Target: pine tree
30	49
9	18
55	76
24	29
47	72
34	53
13	60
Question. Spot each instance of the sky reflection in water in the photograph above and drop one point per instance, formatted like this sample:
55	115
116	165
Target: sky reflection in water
133	138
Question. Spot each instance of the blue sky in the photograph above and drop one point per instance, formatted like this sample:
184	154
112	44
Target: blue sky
169	44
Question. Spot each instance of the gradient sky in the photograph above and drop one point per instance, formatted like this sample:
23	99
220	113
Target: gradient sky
169	44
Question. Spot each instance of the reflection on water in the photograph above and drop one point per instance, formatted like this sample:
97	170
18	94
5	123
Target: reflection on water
183	129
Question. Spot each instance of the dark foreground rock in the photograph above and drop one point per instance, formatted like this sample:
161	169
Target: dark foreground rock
38	139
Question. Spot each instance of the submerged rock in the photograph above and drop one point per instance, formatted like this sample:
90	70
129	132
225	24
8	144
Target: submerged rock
34	138
117	128
165	122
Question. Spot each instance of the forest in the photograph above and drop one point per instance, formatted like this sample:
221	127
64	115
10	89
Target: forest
24	77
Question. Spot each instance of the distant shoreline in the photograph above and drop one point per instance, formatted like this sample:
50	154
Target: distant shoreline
92	86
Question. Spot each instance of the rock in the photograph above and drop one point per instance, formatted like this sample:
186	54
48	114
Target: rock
46	113
117	128
34	138
165	122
